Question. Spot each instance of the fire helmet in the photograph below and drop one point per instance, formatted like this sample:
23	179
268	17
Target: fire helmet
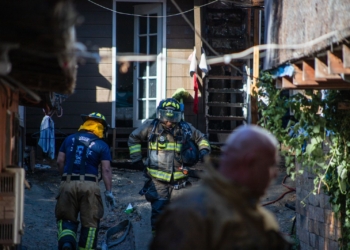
169	110
100	118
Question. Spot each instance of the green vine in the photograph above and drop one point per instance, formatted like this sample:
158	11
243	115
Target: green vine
317	138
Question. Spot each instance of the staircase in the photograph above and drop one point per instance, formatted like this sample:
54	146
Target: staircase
226	96
226	104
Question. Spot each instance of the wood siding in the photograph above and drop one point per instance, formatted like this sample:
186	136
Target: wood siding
93	87
180	44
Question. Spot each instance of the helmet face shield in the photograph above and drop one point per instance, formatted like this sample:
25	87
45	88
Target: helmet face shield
169	115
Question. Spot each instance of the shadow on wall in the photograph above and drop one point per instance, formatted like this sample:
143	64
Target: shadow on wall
93	86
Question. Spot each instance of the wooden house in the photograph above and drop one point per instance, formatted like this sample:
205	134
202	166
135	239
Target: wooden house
144	48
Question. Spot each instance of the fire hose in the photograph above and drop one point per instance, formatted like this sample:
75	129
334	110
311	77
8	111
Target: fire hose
290	189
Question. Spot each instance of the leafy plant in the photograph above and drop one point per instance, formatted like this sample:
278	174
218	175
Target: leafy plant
318	138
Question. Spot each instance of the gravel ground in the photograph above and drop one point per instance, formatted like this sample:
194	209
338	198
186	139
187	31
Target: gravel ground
40	226
39	218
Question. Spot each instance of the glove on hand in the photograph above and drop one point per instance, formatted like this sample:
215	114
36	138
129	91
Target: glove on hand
202	153
138	165
110	200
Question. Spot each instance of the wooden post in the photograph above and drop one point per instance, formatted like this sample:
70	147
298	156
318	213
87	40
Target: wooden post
254	102
254	89
198	46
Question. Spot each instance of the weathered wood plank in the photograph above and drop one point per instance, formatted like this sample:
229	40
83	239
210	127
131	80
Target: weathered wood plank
85	83
174	70
335	64
96	43
180	43
179	82
179	31
321	70
102	69
83	6
91	96
308	68
346	56
298	77
179	53
102	30
287	83
97	17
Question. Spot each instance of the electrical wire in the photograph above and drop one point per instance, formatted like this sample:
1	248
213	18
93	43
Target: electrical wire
199	35
136	15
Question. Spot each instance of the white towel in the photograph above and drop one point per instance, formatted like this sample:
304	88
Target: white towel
193	64
203	63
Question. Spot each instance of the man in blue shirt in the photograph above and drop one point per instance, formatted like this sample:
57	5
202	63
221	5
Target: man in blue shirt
78	160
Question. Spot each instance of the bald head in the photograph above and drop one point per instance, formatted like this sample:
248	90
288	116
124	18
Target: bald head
248	158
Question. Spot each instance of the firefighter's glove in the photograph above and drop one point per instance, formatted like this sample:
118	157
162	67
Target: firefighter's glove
138	165
110	200
202	153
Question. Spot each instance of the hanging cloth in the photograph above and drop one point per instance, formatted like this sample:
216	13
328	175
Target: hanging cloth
203	63
195	99
47	136
193	62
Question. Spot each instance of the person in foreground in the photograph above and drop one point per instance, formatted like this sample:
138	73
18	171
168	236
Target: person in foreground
224	211
79	193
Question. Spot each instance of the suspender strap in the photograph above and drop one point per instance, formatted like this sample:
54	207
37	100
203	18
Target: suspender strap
80	150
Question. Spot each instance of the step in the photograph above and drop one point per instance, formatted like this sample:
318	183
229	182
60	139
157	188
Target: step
226	104
226	118
229	91
223	77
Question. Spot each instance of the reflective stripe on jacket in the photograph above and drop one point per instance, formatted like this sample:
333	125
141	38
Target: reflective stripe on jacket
164	158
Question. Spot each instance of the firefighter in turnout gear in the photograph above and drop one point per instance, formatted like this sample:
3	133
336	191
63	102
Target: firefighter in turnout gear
79	193
173	146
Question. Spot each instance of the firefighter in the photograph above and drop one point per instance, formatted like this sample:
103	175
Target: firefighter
78	159
166	167
224	212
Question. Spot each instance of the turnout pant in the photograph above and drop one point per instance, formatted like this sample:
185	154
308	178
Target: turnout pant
159	194
84	197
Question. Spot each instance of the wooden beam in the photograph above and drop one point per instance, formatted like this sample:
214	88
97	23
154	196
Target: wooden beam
308	68
346	56
256	62
198	45
256	27
298	77
335	64
249	24
321	70
287	83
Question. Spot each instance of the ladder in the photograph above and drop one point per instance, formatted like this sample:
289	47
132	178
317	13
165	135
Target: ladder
226	103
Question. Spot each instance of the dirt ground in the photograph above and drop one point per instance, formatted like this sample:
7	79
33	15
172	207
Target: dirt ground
40	225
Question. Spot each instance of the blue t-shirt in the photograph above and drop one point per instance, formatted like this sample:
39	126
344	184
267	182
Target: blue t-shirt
97	152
